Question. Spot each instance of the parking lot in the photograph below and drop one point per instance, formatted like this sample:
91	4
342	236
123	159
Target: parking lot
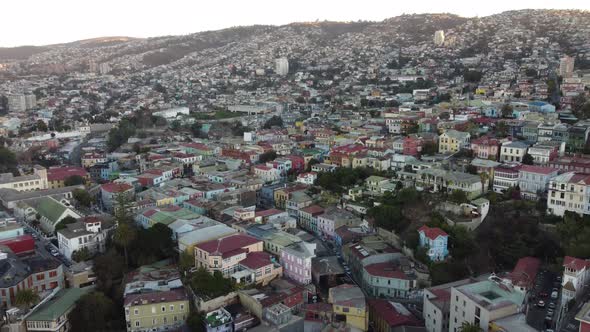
543	301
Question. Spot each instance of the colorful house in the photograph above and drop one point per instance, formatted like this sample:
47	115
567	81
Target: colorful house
349	301
436	240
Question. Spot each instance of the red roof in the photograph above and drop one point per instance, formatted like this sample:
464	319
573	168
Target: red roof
62	173
537	169
227	244
313	209
256	260
432	233
20	244
385	270
266	213
525	272
575	264
392	316
116	187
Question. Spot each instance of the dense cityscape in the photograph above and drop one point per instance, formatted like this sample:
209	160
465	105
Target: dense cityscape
428	172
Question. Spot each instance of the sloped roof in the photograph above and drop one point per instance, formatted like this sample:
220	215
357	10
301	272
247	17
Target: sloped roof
432	233
50	209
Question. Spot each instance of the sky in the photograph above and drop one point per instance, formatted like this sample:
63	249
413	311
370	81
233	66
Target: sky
42	22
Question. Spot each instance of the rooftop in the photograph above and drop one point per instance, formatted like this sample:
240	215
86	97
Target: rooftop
58	305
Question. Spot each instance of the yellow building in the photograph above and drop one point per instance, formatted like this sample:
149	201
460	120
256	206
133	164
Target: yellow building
452	141
156	310
348	302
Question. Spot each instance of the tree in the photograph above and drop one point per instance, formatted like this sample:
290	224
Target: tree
41	126
26	297
120	134
527	159
124	236
83	197
74	180
470	327
458	196
483	177
267	156
274	121
506	111
471	169
429	148
94	312
196	322
501	129
65	221
8	161
109	269
81	255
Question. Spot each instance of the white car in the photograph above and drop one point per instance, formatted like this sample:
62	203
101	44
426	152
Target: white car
554	295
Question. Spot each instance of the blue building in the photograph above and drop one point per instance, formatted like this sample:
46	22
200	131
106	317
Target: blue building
436	240
541	107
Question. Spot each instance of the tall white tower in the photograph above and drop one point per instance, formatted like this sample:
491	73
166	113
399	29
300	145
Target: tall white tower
282	66
566	66
439	37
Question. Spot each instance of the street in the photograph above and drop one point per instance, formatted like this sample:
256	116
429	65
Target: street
542	308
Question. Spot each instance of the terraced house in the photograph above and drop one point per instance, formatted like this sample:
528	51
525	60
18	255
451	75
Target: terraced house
452	141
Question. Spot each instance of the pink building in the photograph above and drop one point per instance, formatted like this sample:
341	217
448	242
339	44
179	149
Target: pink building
485	148
412	146
296	261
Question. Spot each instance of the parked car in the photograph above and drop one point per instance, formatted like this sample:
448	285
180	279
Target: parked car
554	295
552	305
543	294
541	304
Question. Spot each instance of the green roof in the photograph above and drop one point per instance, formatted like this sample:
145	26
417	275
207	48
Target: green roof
59	305
50	209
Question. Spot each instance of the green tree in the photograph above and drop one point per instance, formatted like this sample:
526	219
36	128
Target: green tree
83	197
267	156
81	255
94	312
501	129
429	148
123	237
527	159
74	180
470	327
471	169
274	121
8	161
120	134
458	196
196	322
109	269
506	111
26	297
41	126
65	221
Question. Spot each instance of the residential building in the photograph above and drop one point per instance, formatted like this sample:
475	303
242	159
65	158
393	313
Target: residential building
296	261
544	152
307	178
90	233
505	177
452	141
52	314
37	272
513	151
56	176
439	38
576	274
583	317
485	148
569	192
441	180
482	302
566	66
523	276
333	218
110	191
534	180
388	279
308	217
219	320
282	66
389	316
156	310
225	254
436	240
258	267
349	301
267	174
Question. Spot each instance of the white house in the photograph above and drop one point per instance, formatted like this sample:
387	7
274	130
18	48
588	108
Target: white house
307	178
575	275
89	233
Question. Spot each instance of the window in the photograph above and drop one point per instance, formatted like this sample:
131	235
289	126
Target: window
171	307
136	323
163	308
136	312
181	307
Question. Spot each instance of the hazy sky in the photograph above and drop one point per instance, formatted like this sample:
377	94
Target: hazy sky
37	22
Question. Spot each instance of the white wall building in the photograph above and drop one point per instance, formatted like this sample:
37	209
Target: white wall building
282	66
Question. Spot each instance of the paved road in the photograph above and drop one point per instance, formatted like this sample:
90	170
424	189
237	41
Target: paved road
536	315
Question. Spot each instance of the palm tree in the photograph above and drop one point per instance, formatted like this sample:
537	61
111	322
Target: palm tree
470	327
26	297
483	177
124	235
